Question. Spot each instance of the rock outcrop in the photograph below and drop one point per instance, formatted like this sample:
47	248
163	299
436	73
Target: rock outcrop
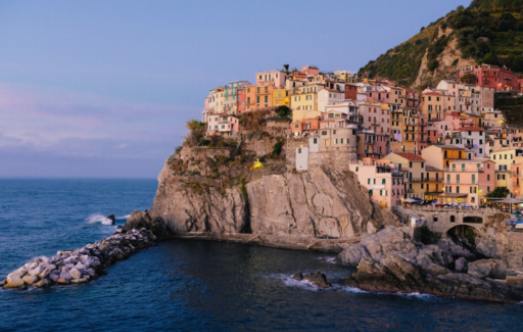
321	204
390	261
317	279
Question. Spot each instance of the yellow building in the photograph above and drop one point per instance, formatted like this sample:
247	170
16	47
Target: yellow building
434	185
406	133
413	167
280	97
504	158
304	103
440	156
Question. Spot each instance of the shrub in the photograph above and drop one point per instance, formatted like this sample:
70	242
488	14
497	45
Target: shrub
284	112
499	192
197	131
433	64
277	149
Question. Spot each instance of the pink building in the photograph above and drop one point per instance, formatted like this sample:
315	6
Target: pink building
487	178
310	71
494	77
299	127
372	145
375	117
468	181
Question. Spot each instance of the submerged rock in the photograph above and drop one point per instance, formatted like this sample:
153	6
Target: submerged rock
317	279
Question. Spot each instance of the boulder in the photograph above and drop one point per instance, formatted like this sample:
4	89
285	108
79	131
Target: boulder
317	279
112	218
75	273
488	268
14	281
29	279
352	255
41	283
460	265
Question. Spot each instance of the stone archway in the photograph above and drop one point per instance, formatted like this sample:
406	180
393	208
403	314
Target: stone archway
464	235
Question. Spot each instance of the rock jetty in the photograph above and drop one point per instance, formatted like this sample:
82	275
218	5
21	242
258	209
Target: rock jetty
84	264
392	261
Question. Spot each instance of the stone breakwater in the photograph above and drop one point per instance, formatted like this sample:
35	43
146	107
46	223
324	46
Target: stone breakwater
80	265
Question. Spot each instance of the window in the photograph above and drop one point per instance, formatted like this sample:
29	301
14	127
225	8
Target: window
452	218
434	219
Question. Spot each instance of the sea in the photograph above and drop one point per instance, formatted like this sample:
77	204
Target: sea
184	285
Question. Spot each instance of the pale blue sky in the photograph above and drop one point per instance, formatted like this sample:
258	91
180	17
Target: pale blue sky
103	88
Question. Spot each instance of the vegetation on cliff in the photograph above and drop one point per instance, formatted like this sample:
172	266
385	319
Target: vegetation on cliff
217	162
488	31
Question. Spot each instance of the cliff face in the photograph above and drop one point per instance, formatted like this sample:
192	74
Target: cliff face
319	205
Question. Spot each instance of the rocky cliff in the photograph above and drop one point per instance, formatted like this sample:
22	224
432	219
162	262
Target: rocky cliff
215	192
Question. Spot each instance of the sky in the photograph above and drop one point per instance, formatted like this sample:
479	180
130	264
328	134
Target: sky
103	88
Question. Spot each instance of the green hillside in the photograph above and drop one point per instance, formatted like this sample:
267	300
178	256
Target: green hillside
488	31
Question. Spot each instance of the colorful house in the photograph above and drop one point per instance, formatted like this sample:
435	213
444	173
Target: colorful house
413	166
384	183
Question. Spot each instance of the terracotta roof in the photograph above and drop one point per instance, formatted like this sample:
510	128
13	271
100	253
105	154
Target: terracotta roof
433	169
410	156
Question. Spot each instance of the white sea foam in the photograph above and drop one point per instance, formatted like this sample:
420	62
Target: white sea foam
98	218
353	290
125	217
303	284
328	259
418	296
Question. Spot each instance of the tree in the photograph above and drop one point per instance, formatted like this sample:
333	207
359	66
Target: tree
499	192
197	131
433	64
284	112
286	68
507	22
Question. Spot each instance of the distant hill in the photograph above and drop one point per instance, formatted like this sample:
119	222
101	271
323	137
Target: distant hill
488	31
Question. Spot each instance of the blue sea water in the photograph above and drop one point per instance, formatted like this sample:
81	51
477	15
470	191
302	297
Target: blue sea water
194	285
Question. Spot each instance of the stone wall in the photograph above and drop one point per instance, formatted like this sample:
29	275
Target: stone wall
440	220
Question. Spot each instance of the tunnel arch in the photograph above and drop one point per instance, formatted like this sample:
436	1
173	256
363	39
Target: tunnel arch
464	235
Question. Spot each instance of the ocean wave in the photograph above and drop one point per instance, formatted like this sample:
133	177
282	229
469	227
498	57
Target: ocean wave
353	290
124	217
98	218
303	284
418	296
289	281
328	259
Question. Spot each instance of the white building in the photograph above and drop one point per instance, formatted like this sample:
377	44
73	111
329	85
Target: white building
328	97
274	77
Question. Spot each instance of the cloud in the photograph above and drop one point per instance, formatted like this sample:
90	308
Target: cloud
77	125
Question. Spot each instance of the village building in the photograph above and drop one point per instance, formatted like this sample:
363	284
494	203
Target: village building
413	167
384	183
